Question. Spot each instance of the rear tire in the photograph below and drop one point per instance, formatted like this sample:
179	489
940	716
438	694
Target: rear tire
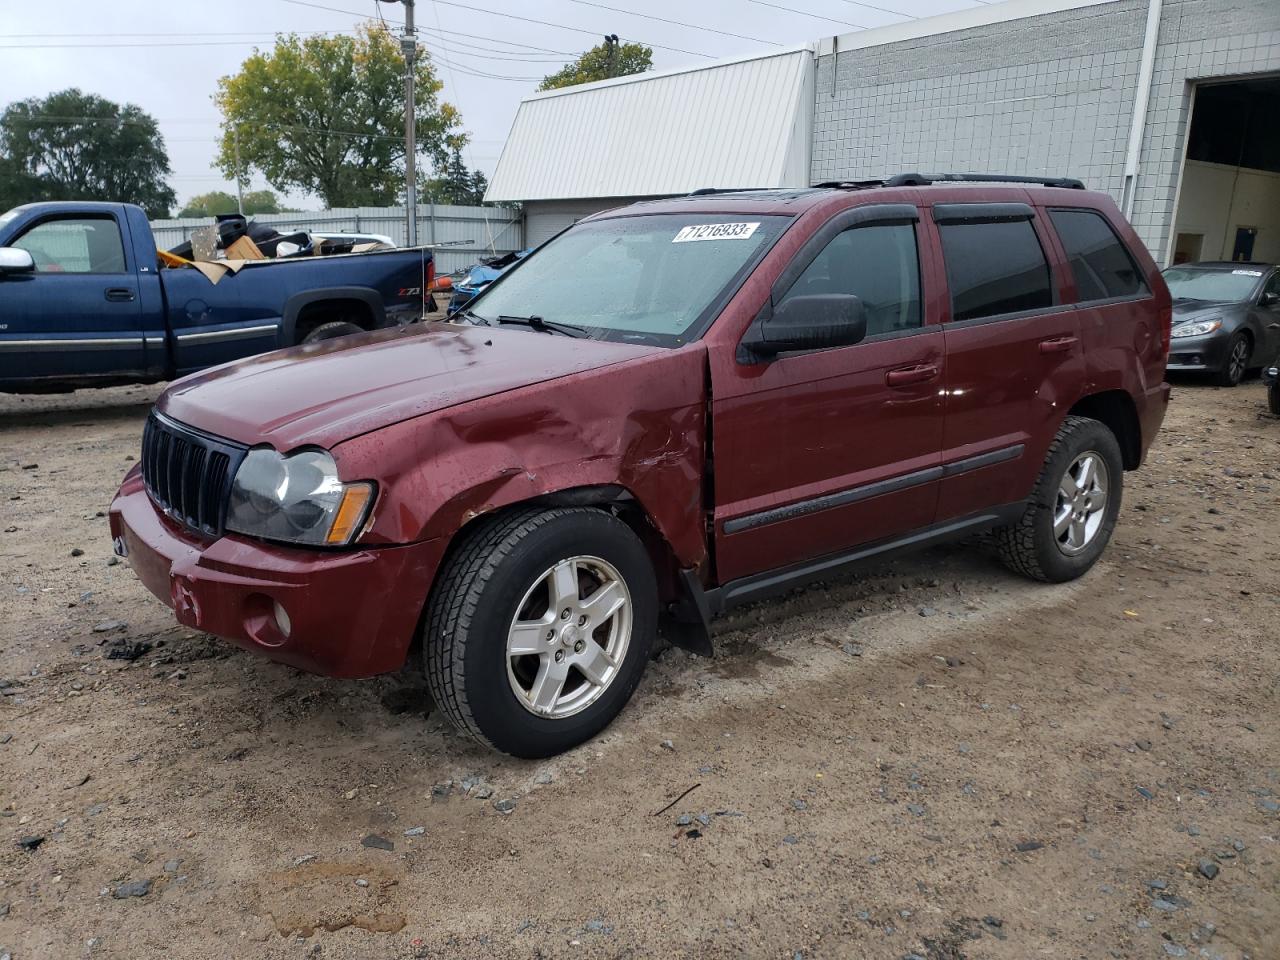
1073	508
503	591
331	331
1273	398
1236	362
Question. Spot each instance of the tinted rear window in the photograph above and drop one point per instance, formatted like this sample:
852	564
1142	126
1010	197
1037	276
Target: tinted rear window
1099	261
994	268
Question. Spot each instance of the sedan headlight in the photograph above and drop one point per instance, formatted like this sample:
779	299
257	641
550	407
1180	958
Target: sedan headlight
1197	328
296	499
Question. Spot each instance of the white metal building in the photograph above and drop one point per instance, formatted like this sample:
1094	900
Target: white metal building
735	123
1169	105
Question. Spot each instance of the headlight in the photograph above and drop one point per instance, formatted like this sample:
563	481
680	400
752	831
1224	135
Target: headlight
296	499
1197	328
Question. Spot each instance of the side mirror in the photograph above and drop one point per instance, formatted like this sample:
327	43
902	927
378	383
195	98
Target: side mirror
808	323
1269	299
13	260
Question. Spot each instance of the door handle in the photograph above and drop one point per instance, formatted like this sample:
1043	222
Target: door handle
904	376
119	294
1057	345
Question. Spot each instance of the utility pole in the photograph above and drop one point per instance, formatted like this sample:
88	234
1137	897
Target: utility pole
611	54
409	47
235	140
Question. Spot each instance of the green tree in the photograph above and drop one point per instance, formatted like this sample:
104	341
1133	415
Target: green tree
326	115
219	201
17	186
609	59
77	146
453	182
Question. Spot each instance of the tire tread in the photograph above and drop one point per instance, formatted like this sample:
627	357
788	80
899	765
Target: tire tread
1017	541
456	597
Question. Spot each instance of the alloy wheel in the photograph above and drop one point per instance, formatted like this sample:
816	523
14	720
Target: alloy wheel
569	637
1081	505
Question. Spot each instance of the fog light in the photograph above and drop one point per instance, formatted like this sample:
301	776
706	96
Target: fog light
282	619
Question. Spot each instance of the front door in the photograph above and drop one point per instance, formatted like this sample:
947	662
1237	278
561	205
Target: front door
78	314
814	453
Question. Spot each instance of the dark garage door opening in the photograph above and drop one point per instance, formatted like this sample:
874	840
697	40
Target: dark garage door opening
1229	199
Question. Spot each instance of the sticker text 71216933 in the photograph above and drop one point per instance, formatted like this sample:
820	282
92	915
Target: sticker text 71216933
715	231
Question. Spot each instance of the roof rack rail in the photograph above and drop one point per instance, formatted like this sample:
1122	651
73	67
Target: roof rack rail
924	180
708	191
848	184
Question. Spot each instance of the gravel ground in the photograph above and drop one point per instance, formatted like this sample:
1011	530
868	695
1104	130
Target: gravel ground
935	760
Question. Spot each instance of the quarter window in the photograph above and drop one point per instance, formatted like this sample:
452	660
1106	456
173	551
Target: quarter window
1099	262
78	245
994	268
876	263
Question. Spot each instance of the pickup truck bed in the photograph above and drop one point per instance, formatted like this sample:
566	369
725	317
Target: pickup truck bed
98	310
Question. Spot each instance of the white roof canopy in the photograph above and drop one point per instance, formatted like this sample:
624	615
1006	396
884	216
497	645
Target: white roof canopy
734	123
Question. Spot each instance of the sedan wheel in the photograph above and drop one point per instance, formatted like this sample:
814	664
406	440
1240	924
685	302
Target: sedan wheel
1236	363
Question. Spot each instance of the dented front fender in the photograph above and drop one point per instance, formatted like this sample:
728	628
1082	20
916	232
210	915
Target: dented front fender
639	425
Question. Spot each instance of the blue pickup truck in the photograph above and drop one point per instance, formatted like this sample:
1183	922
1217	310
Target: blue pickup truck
84	301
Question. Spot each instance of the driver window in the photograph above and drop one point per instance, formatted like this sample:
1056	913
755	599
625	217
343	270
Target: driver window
877	263
75	245
1273	285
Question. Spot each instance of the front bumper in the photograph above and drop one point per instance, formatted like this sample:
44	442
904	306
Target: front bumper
1204	354
349	613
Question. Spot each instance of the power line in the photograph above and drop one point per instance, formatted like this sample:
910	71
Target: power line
805	13
453	38
872	6
509	16
674	23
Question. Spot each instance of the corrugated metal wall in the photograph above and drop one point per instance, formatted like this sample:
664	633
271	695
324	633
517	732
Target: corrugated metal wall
472	231
545	218
741	123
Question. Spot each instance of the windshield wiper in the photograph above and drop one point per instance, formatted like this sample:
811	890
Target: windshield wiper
545	326
475	317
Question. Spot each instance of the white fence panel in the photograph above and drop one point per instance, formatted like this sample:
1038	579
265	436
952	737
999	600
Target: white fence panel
460	235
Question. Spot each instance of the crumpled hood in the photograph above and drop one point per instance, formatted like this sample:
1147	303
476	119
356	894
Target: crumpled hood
331	391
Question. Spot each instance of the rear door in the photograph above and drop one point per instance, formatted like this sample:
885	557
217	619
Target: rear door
78	314
817	452
1015	363
1120	323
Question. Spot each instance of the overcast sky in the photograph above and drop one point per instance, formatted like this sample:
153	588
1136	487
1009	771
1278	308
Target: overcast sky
167	58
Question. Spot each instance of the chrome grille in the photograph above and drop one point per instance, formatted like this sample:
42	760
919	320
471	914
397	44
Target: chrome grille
188	473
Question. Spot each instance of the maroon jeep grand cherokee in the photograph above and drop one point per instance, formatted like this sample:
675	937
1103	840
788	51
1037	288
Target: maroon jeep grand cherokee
666	410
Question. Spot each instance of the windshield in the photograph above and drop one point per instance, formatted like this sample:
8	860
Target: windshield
1191	283
646	278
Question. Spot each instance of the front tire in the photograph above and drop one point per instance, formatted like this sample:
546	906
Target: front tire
1236	363
539	628
1073	508
1273	398
331	331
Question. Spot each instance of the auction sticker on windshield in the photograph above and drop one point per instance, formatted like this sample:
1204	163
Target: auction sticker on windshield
1247	273
715	231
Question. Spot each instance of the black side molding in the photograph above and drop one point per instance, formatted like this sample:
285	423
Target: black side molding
704	604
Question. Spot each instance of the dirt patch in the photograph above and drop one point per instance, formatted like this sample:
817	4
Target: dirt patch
935	759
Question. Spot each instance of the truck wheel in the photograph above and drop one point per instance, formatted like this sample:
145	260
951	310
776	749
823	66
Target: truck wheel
331	331
1235	363
1073	508
539	628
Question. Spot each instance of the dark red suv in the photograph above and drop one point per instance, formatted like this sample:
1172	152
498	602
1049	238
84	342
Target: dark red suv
666	410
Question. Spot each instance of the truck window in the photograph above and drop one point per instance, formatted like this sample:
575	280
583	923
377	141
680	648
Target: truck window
994	268
877	263
75	245
1099	261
